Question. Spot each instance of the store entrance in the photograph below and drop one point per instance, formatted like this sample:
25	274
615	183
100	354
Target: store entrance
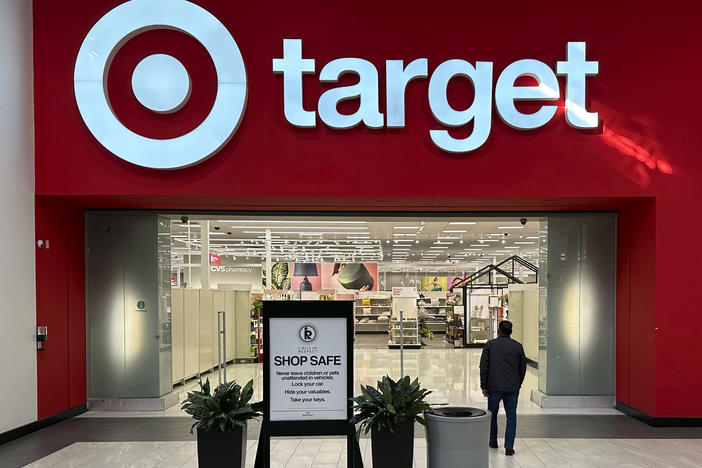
439	284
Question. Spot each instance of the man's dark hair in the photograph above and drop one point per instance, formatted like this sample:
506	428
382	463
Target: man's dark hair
505	328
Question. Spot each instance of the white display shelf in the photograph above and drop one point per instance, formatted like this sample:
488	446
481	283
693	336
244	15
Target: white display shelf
410	334
376	327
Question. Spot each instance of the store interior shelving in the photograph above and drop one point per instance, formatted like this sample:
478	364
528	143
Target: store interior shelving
372	311
405	333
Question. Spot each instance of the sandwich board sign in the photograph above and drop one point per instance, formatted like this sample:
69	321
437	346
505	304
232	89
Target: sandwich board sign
307	373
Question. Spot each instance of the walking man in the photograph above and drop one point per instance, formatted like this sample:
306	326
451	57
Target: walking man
502	371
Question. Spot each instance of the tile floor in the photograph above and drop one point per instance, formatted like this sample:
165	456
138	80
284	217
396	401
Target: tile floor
452	374
331	453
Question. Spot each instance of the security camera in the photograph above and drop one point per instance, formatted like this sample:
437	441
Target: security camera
229	233
506	234
184	219
523	221
216	228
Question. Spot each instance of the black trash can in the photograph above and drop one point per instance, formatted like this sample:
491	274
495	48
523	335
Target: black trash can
457	437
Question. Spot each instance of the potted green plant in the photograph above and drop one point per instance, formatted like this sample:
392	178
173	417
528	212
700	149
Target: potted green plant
221	421
388	412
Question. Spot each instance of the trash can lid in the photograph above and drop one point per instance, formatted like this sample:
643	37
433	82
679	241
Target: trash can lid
457	412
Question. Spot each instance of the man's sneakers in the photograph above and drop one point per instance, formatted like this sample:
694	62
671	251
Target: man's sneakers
493	444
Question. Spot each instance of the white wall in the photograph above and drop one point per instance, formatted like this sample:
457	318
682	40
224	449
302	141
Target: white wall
18	393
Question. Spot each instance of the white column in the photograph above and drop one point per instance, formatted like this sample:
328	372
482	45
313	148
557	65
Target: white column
18	352
269	263
204	255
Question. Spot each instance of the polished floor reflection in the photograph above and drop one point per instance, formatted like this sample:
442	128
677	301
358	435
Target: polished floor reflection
331	453
451	374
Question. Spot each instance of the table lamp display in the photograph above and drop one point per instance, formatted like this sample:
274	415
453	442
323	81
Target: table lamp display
305	269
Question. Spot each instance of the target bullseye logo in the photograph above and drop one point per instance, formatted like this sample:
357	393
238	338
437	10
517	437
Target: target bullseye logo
160	83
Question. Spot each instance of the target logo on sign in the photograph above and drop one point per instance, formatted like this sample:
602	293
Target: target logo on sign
160	82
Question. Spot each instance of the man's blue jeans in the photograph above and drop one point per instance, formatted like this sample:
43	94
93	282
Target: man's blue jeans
509	399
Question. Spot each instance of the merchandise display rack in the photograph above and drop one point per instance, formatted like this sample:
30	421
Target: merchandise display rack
437	309
410	332
370	310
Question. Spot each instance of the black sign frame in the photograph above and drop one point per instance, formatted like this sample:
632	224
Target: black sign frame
311	310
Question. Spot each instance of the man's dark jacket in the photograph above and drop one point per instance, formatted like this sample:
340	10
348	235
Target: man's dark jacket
502	365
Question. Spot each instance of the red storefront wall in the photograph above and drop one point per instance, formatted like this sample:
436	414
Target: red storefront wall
643	163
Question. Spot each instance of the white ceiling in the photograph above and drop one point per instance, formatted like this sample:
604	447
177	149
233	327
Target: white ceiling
398	244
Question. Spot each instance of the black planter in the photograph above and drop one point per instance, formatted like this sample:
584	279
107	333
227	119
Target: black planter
394	449
221	449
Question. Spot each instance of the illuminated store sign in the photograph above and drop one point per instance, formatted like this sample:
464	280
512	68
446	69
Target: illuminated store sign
162	84
575	68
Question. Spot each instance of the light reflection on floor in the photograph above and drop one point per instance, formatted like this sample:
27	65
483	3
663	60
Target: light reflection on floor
451	374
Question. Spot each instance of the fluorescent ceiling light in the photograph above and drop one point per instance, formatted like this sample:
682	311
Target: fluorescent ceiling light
488	240
444	243
341	228
436	247
473	249
525	243
533	237
510	227
477	245
270	221
403	240
462	222
511	248
448	237
306	233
